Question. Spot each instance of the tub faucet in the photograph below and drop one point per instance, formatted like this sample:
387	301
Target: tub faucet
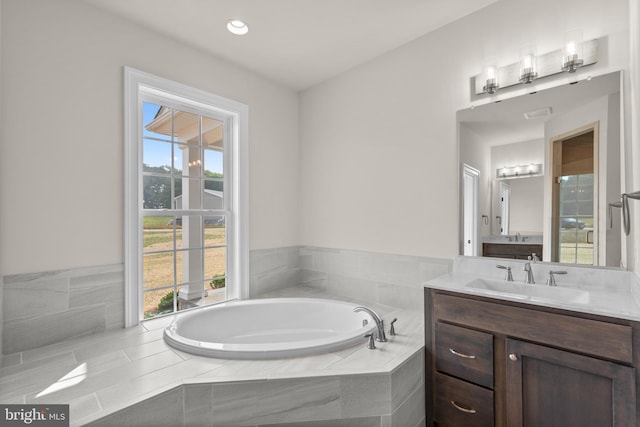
392	328
380	336
371	344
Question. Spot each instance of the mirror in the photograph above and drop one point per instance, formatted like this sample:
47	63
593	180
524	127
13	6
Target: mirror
538	172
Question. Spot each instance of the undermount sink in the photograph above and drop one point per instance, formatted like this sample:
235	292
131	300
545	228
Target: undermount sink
537	292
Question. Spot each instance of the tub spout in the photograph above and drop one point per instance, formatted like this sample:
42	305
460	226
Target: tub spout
380	336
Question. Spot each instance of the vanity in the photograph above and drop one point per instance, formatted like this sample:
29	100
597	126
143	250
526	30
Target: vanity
510	250
502	350
504	353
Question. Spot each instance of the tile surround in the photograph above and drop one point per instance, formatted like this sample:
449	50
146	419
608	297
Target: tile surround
47	307
393	280
305	402
44	312
131	373
273	269
344	400
43	308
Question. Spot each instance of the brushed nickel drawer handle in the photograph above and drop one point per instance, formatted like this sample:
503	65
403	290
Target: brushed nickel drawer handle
460	408
464	356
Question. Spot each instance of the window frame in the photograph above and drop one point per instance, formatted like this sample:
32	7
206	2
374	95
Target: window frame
142	87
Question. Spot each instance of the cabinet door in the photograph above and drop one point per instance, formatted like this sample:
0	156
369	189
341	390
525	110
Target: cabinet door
550	387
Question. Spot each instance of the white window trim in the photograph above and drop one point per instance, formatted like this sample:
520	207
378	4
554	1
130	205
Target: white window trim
135	82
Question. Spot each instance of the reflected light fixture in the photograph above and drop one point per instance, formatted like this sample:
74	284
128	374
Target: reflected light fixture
528	65
520	171
491	76
237	27
572	57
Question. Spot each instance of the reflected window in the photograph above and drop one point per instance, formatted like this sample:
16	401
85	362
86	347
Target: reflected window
576	219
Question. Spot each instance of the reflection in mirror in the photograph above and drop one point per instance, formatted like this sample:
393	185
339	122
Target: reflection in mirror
548	166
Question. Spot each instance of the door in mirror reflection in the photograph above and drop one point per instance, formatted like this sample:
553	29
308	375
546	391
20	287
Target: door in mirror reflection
470	183
574	198
505	205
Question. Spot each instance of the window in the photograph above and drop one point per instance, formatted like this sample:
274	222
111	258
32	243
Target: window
186	193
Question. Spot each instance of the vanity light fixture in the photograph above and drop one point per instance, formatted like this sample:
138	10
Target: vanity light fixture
532	65
520	171
572	57
237	27
528	62
491	76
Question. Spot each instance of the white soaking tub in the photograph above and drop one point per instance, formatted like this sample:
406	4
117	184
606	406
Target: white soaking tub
269	328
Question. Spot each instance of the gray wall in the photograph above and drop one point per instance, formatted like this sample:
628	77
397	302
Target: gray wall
389	125
1	196
66	58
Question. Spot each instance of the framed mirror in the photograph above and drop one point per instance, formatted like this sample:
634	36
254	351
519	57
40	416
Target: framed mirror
546	167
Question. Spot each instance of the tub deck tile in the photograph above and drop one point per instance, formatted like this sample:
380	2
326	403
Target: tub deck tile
127	366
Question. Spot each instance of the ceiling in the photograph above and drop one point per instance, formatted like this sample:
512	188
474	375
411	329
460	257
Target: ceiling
297	43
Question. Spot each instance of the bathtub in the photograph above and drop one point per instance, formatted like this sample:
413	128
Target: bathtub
269	328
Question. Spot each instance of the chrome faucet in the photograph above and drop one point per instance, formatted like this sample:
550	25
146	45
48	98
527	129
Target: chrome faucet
380	336
508	276
392	328
551	281
529	273
371	344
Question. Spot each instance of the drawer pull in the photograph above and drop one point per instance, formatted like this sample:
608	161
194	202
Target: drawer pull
464	356
460	408
513	357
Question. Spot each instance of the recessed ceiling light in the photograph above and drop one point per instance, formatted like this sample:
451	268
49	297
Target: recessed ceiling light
237	27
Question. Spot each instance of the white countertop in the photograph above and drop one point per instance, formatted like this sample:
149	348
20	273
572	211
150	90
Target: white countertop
606	292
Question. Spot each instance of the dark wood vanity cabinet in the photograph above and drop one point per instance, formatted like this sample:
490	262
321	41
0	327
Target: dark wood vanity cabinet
498	363
551	387
510	250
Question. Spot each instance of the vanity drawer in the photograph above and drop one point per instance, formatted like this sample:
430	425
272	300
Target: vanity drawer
459	403
582	335
464	353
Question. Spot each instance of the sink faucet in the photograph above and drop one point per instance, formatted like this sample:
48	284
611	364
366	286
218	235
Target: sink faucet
380	336
508	276
551	281
529	272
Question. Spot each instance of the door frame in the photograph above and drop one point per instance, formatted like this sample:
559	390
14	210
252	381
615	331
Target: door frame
555	162
470	210
504	201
